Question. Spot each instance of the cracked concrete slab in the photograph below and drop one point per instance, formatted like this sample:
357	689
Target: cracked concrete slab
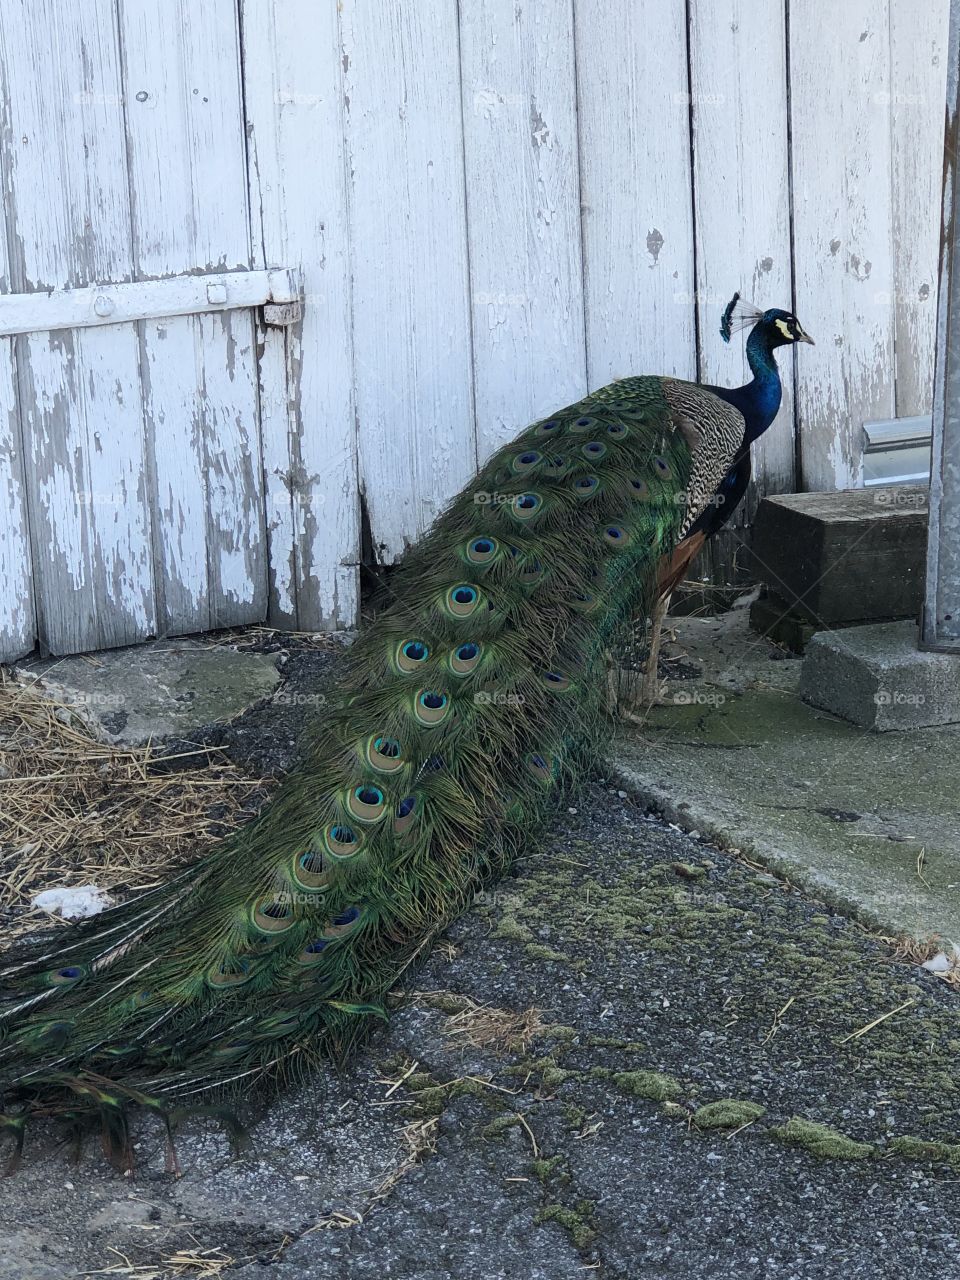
160	690
870	820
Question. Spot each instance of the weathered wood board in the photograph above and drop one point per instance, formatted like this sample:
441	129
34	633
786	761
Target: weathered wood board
741	192
188	186
633	97
64	157
523	212
917	92
411	313
295	109
843	227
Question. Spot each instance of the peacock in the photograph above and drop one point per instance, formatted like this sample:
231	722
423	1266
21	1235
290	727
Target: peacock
759	402
474	700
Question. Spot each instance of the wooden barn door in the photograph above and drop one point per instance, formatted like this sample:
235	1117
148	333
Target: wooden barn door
135	479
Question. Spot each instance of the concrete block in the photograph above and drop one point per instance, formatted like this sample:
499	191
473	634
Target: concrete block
773	617
842	558
876	677
157	690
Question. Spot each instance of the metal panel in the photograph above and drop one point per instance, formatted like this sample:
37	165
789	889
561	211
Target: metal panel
105	304
941	618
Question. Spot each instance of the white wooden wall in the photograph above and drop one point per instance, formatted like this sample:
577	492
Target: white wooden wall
495	207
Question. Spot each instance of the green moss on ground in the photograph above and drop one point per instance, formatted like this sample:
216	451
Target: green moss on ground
728	1113
822	1140
763	950
921	1149
648	1084
553	1170
577	1222
498	1127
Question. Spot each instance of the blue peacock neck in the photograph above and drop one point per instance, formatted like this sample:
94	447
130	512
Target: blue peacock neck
759	399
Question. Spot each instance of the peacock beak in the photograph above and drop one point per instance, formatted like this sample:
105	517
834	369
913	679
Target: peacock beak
805	337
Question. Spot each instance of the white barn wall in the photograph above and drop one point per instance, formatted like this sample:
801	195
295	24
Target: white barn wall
493	208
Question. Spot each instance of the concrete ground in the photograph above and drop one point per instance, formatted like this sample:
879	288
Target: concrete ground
870	821
543	1103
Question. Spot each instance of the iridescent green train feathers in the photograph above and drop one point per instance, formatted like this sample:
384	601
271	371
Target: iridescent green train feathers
469	703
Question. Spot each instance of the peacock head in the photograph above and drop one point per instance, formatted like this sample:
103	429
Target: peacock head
778	327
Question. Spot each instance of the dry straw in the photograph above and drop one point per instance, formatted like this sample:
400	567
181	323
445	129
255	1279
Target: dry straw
75	810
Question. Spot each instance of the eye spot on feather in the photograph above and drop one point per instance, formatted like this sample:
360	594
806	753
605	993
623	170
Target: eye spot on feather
312	952
584	423
340	841
541	767
594	450
411	655
405	815
617	431
273	915
310	869
584	602
586	486
342	924
431	707
555	466
550	427
384	754
462	600
366	803
231	974
662	467
639	488
67	975
526	505
465	658
531	573
616	536
482	550
555	681
525	461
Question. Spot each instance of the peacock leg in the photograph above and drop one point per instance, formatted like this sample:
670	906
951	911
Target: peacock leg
650	689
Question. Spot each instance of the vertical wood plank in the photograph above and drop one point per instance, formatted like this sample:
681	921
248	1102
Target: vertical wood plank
293	81
918	83
410	280
186	145
17	620
236	539
69	223
840	129
636	188
523	205
742	200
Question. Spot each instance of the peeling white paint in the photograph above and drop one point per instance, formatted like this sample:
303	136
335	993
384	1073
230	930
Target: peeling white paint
492	206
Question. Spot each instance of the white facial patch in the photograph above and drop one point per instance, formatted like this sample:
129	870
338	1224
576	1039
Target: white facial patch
781	325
